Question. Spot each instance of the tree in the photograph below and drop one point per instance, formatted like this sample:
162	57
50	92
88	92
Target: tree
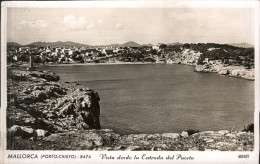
154	51
247	63
201	59
186	45
24	57
10	59
239	61
101	54
37	59
62	60
80	59
162	46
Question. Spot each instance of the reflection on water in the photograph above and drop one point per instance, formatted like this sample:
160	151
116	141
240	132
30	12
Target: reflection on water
157	98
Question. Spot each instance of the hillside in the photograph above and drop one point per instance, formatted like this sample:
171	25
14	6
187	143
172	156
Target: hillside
127	44
13	44
242	45
149	44
72	44
56	44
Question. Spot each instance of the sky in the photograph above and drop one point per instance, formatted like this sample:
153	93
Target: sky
101	26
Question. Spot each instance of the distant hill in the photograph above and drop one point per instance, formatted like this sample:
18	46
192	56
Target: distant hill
71	44
127	44
243	45
13	44
113	45
149	44
56	44
175	43
130	44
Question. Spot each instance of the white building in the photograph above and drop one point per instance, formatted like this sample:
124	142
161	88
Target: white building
155	47
23	48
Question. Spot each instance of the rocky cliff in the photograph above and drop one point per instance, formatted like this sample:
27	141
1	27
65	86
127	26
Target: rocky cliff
232	71
44	114
39	105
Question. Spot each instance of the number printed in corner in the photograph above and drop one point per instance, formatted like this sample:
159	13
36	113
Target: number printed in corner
85	156
243	156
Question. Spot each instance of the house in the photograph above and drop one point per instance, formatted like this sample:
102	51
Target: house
67	51
215	62
211	49
84	53
109	51
156	47
23	49
206	60
47	49
118	50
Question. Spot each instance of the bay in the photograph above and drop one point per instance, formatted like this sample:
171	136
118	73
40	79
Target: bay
160	98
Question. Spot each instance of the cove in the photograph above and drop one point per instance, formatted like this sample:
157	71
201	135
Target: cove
160	98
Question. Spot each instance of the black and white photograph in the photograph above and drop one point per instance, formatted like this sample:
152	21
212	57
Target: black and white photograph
167	78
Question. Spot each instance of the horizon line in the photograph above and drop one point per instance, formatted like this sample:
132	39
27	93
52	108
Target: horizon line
127	42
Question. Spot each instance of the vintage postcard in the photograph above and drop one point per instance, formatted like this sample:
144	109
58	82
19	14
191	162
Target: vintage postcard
130	82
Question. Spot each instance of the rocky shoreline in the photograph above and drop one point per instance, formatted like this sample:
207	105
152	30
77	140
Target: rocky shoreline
231	71
44	114
106	139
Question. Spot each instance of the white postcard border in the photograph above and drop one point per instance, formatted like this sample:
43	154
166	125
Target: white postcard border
199	157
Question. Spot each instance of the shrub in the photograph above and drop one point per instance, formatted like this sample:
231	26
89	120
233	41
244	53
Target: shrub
192	131
248	128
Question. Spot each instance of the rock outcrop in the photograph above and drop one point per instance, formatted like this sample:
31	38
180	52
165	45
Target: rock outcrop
232	71
238	71
37	101
106	139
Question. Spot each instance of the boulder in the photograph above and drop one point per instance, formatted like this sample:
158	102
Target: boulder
230	135
223	132
241	133
152	136
133	148
159	147
237	73
68	109
208	140
223	72
171	135
24	132
86	145
145	143
103	149
120	147
61	102
42	133
206	133
46	125
38	88
39	95
53	137
184	134
99	142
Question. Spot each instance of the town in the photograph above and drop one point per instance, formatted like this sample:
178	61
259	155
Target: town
206	54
